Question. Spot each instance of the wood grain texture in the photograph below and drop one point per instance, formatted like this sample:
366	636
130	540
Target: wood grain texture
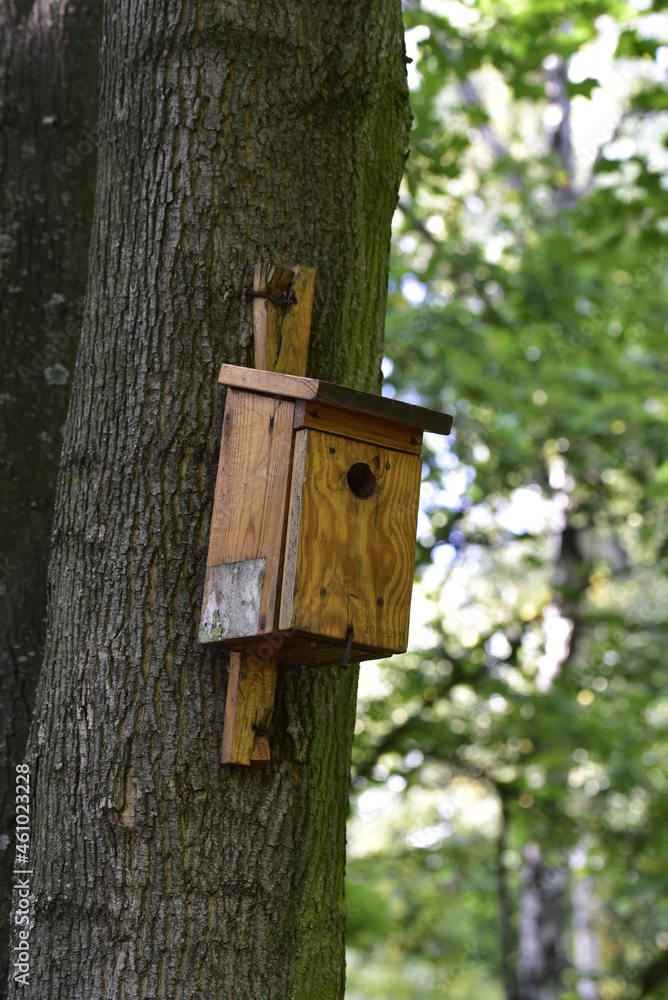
281	333
249	707
339	396
358	427
279	283
293	528
353	562
290	347
253	470
270	383
281	340
260	317
267	317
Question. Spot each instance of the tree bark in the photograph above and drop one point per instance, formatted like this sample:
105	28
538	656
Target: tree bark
48	101
229	133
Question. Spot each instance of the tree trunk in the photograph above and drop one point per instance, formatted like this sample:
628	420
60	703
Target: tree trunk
507	932
542	928
229	133
48	101
586	940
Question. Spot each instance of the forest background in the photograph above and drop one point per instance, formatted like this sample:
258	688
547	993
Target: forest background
511	770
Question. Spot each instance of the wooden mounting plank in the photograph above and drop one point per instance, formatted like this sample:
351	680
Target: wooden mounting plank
292	348
338	396
266	316
250	701
282	332
281	340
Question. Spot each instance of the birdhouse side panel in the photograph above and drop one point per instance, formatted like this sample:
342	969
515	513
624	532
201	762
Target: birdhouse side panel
351	541
243	565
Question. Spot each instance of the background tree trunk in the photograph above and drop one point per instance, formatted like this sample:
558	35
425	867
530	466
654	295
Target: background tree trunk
229	134
49	54
586	939
542	926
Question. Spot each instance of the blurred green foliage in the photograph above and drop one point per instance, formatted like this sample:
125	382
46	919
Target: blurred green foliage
529	293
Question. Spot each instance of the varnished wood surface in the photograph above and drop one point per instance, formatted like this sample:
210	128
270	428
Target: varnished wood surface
358	427
349	561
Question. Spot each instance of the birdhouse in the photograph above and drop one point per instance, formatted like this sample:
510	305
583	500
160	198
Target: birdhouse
312	542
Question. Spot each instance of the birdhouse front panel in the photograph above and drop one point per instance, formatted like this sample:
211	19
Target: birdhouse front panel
350	541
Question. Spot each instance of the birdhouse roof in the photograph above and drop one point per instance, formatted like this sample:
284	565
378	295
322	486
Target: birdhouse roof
340	397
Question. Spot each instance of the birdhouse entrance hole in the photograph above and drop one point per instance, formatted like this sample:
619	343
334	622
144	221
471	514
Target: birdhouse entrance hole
362	480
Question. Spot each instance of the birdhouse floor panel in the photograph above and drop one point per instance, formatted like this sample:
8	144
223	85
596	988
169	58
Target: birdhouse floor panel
306	648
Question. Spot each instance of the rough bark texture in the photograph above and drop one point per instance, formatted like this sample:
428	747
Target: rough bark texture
48	99
229	133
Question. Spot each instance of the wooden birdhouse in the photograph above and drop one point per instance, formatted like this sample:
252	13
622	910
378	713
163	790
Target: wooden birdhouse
312	542
313	530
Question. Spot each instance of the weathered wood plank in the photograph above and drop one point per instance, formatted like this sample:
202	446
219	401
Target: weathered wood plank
339	396
249	706
260	274
292	348
352	565
267	317
270	383
281	339
351	425
254	463
232	600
